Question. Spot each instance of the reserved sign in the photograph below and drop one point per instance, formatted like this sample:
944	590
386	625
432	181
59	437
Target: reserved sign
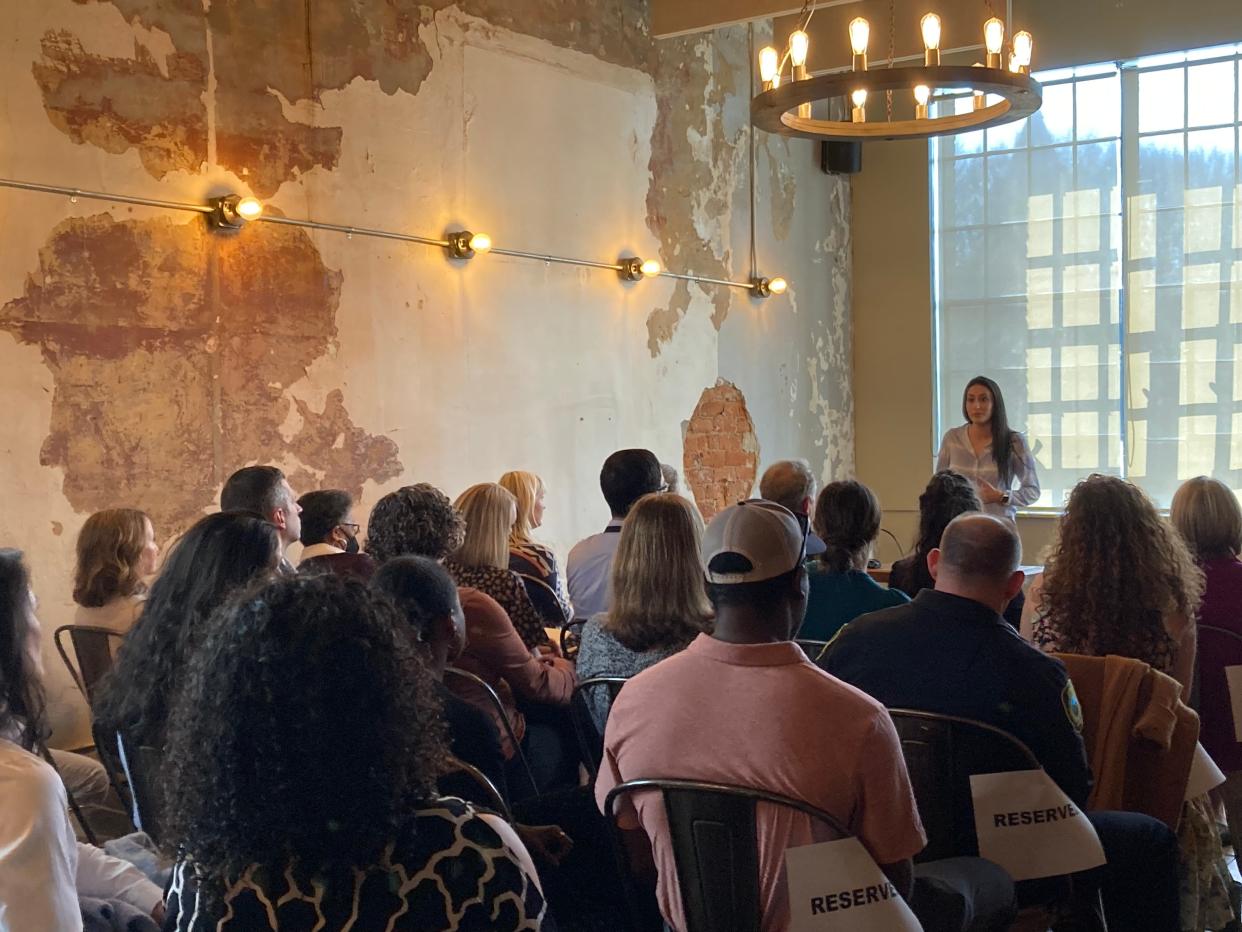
836	885
1030	828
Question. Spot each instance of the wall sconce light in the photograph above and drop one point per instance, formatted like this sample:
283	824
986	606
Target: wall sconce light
633	269
463	244
764	287
233	211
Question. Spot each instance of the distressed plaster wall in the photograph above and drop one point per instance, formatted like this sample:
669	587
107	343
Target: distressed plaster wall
142	358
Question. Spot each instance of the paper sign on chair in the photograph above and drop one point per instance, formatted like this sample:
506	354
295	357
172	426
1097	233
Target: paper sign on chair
836	886
1029	827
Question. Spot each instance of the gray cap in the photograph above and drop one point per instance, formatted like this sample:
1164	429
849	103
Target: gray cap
764	533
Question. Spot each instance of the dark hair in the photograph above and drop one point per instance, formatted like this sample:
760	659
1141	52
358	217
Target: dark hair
321	512
305	736
981	547
1003	438
22	702
847	517
416	520
255	489
767	594
219	554
627	476
947	495
420	588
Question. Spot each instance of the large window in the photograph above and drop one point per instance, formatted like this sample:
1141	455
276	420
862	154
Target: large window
1090	260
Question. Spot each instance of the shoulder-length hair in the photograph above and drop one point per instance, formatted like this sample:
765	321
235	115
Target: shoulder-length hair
22	703
109	552
847	517
525	488
489	511
1117	572
1002	435
659	597
217	555
305	735
1207	515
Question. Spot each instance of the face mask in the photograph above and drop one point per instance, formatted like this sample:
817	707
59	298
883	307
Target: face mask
351	545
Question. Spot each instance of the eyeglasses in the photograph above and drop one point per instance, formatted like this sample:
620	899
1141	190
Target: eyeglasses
352	528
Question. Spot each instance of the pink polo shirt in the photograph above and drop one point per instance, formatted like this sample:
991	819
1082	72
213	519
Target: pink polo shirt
764	716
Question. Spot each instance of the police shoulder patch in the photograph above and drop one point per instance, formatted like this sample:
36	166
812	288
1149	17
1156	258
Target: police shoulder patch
1073	709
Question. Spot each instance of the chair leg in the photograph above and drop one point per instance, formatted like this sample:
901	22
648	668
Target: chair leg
78	814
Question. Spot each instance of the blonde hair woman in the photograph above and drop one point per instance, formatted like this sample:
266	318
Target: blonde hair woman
116	551
482	560
659	600
526	555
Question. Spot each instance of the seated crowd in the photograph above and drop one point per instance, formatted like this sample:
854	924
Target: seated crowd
432	726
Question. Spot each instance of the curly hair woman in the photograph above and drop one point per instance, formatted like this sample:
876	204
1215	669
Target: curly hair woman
302	761
1120	580
220	553
116	551
416	520
659	599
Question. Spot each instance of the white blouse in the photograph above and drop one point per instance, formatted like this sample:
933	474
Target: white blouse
957	454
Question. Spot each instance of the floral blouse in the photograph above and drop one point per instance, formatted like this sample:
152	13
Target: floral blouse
505	586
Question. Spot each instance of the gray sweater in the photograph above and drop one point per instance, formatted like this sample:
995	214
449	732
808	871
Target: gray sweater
600	654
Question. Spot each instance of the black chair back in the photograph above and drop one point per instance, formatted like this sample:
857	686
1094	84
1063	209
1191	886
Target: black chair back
813	649
712	829
590	737
472	784
92	649
543	597
141	765
941	752
571	637
499	708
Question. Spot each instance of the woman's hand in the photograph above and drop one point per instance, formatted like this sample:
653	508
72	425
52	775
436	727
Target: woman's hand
546	842
988	493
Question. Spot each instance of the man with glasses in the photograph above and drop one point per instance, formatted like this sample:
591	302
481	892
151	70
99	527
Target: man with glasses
330	536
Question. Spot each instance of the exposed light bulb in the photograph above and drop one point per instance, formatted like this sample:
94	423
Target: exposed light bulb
799	45
776	80
994	35
249	208
859	113
930	24
1013	64
778	285
980	100
768	63
922	93
650	268
1023	45
480	242
859	97
860	33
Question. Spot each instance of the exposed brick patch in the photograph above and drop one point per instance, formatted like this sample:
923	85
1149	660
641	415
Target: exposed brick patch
721	458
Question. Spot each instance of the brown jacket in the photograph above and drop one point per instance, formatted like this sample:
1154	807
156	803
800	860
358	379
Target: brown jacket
1140	736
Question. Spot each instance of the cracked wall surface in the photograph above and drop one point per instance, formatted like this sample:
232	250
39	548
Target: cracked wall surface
147	357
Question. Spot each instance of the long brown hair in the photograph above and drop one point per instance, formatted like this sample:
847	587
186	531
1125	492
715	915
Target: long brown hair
1117	571
659	597
109	551
1003	438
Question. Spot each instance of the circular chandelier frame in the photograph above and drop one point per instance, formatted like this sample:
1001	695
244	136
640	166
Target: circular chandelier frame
775	110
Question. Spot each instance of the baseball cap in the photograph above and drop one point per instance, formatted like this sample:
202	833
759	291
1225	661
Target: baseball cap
765	534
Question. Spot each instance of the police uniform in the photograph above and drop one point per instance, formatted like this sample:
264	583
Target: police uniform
955	656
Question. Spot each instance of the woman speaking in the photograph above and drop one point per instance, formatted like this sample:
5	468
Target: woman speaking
971	450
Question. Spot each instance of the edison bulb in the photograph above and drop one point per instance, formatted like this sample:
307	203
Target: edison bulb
480	242
650	268
859	97
922	93
799	45
778	285
994	35
768	63
860	33
1023	44
249	208
930	25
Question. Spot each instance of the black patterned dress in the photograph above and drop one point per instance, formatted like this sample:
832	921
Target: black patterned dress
449	870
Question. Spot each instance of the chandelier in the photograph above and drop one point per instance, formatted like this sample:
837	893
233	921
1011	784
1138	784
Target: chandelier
1002	93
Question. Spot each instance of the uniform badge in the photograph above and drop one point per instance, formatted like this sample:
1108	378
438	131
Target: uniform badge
1073	708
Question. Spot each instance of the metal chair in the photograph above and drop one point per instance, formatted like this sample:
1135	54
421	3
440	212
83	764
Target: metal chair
1224	648
590	739
74	807
92	648
941	754
545	600
712	829
141	765
813	649
487	793
571	635
499	708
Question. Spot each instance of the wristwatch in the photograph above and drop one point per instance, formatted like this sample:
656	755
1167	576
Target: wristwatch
1004	498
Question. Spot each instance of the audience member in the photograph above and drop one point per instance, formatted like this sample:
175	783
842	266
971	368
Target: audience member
419	520
947	495
526	555
659	601
43	870
951	652
219	554
264	491
847	517
1120	580
116	554
787	726
671	479
792	484
1207	515
482	560
302	764
627	476
330	535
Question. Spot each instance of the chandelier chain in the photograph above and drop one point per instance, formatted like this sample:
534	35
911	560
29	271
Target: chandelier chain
892	53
